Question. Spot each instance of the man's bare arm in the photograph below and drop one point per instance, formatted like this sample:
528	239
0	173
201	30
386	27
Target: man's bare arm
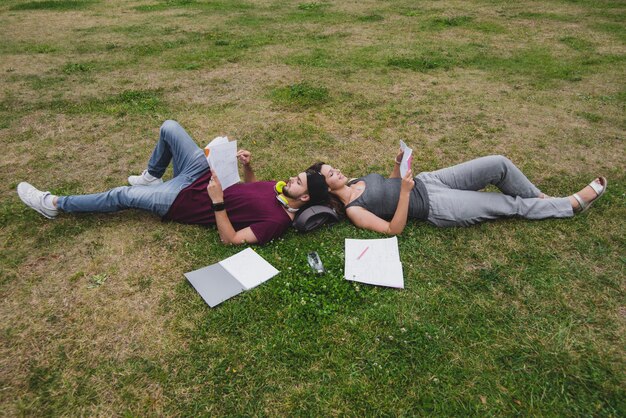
225	228
245	158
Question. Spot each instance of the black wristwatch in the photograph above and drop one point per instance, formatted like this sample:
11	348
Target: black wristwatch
218	206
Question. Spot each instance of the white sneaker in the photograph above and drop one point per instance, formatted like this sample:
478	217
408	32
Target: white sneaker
34	199
144	179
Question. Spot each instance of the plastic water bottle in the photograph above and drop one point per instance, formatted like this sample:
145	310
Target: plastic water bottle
315	262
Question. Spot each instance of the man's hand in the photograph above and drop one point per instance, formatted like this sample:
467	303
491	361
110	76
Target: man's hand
244	157
215	189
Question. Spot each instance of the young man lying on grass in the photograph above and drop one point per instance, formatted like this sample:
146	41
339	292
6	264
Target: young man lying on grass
245	213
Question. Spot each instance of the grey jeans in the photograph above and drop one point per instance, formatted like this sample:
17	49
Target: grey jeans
454	198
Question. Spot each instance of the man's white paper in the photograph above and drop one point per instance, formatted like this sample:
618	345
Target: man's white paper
249	268
374	261
217	141
222	159
407	158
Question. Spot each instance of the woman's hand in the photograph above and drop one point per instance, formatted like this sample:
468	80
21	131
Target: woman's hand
395	173
407	182
214	189
244	157
399	156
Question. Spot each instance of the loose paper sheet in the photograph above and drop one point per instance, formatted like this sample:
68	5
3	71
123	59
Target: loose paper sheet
407	158
249	268
374	261
223	160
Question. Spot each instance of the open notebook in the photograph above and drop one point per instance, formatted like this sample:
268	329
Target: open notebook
231	276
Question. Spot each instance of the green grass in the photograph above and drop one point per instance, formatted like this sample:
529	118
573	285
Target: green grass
506	318
611	28
536	64
213	5
546	16
58	5
428	61
75	67
591	117
577	43
539	65
127	102
371	18
312	7
451	21
300	95
315	12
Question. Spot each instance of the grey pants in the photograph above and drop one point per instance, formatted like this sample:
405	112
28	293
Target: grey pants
454	198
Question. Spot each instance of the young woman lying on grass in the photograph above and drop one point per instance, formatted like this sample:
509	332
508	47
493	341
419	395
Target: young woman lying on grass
450	196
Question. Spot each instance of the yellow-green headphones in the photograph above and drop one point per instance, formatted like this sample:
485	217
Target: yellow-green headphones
281	197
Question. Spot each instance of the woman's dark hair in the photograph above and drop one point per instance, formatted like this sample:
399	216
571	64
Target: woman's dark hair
333	201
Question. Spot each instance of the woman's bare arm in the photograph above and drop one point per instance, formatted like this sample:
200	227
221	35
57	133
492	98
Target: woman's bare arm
367	220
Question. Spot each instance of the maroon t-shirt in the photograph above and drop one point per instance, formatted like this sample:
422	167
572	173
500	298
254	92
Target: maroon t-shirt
251	205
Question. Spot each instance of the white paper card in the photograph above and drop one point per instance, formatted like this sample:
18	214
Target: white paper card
407	158
249	268
374	261
223	160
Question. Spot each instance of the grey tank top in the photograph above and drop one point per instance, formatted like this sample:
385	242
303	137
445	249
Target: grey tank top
381	197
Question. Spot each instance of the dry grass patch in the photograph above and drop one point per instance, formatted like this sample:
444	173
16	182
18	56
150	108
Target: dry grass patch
95	302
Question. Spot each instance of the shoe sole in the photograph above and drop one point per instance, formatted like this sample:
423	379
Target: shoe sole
147	185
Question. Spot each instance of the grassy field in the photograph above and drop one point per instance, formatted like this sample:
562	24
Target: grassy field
507	318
